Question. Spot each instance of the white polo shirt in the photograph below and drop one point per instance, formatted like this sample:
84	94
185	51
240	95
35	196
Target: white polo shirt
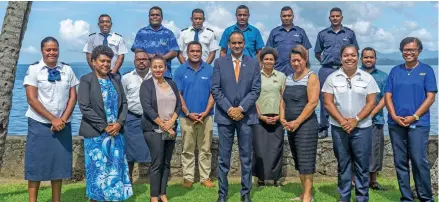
131	82
115	42
206	37
350	99
52	95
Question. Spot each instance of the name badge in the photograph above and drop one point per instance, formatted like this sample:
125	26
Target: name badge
422	74
275	81
203	77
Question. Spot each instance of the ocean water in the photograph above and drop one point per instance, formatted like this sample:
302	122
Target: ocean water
18	121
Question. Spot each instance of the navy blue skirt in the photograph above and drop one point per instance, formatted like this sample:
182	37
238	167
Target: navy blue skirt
48	154
136	148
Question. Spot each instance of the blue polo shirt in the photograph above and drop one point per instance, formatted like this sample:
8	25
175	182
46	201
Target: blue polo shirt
252	37
329	44
194	86
410	91
159	41
381	78
284	41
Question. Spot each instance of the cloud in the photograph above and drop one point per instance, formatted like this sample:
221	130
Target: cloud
422	34
399	4
264	31
29	49
218	19
74	33
411	24
361	27
172	26
362	10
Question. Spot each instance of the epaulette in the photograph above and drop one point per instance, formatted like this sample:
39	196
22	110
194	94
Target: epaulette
92	34
184	29
209	29
65	63
37	62
117	34
348	28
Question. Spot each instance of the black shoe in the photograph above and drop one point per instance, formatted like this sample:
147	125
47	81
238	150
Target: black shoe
323	133
261	183
221	199
377	186
246	198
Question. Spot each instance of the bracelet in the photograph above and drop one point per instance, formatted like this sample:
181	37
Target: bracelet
358	119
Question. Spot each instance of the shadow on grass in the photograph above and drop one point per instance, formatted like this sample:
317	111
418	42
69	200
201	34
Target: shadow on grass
73	194
329	190
139	190
176	190
294	188
391	192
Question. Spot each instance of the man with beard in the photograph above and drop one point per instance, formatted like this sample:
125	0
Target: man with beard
196	121
157	40
284	38
327	51
106	38
136	149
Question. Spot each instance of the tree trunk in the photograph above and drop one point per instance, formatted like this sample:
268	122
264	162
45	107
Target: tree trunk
14	26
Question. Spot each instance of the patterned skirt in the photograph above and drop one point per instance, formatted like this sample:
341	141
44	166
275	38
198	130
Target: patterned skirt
106	168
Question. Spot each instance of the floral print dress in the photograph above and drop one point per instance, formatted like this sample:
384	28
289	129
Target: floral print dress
106	165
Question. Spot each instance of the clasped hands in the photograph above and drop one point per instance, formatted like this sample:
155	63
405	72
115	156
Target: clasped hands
269	120
349	124
113	128
290	126
235	113
57	125
167	126
404	121
197	118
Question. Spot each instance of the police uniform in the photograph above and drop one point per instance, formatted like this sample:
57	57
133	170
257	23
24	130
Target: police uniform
206	37
136	149
329	45
115	42
48	154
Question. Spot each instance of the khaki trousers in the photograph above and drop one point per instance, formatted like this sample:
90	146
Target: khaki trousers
200	135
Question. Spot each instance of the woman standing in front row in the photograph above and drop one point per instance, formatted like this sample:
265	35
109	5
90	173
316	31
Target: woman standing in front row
104	109
300	98
51	94
161	105
410	91
268	140
349	96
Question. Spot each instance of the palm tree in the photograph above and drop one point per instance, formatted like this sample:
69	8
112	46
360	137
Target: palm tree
14	26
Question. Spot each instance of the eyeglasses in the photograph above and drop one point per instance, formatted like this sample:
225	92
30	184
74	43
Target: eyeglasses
348	80
410	50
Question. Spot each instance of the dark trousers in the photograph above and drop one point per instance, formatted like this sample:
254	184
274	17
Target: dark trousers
353	149
411	144
324	72
226	135
161	154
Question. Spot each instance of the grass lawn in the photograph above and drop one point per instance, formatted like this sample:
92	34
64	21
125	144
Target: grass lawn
325	189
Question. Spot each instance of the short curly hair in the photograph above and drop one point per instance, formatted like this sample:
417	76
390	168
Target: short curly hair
101	50
267	51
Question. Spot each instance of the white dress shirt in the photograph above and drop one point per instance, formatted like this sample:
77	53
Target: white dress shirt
115	42
350	99
206	37
131	82
233	60
52	95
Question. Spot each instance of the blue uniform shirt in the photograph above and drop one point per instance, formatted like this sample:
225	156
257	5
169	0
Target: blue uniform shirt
194	86
252	37
329	44
284	41
159	41
381	78
410	91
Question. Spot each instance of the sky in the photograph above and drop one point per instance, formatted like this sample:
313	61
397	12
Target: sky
381	25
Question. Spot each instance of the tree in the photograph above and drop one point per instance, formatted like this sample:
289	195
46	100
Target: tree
13	29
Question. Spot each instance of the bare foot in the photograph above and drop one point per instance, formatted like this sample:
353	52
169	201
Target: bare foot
164	198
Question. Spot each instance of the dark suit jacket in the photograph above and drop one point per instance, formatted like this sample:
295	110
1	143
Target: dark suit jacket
148	100
91	104
227	93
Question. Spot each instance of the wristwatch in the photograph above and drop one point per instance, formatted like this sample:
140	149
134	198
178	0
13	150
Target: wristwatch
187	114
416	117
358	119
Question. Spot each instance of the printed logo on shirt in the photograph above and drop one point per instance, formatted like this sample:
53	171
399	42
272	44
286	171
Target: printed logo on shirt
296	35
422	74
203	77
163	42
346	39
275	81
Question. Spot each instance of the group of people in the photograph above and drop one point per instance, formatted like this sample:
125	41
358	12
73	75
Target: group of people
258	91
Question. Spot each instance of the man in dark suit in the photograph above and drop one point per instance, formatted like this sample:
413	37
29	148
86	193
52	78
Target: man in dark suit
236	85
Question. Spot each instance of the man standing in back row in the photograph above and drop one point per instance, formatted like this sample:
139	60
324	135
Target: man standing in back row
327	51
252	36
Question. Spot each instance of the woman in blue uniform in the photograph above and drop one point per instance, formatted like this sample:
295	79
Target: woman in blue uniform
51	95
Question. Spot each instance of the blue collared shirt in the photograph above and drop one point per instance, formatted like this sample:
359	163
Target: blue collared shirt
194	86
380	78
252	37
409	90
329	44
284	41
160	41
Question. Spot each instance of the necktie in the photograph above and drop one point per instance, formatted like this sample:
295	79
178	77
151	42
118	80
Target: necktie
105	43
237	70
53	75
196	38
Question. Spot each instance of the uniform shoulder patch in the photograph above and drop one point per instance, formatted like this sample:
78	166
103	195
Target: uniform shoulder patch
65	63
117	34
184	29
209	29
92	34
35	63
